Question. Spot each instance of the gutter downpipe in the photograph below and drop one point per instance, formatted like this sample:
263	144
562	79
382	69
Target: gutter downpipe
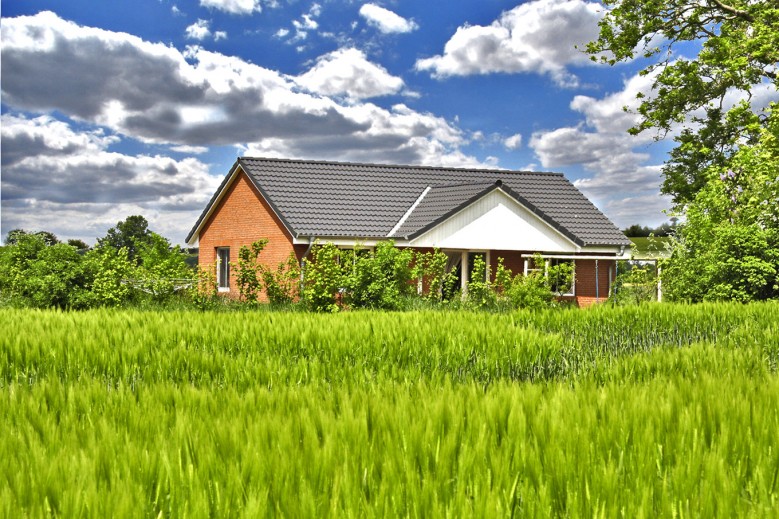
311	241
597	283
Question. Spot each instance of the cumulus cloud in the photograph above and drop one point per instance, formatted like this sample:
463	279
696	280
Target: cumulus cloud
198	30
537	37
513	142
234	6
67	182
306	23
348	73
385	20
619	164
158	94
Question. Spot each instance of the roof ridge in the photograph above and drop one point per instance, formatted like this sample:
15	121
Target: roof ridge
400	166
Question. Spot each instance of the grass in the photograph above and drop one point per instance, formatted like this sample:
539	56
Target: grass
638	411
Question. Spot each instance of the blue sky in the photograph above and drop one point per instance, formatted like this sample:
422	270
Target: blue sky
141	106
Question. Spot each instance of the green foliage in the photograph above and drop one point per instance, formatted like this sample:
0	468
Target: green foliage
431	268
130	233
729	246
658	410
636	285
325	277
738	48
78	244
529	291
380	279
282	286
43	275
481	293
249	270
559	277
110	269
14	235
162	271
638	231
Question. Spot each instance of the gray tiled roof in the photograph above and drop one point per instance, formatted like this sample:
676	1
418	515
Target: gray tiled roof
331	199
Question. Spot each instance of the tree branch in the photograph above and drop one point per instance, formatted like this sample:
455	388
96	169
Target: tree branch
732	10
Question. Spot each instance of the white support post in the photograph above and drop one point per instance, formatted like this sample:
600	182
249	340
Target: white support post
659	283
488	271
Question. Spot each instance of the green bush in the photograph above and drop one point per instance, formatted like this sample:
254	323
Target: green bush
381	279
43	275
325	277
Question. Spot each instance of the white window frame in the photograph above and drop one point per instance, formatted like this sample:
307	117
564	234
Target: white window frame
220	265
545	270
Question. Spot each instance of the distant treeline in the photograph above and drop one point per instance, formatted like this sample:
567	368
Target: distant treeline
639	231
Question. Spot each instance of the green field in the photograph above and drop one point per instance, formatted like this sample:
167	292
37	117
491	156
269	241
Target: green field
648	411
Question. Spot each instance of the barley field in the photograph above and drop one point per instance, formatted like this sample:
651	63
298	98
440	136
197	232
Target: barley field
649	411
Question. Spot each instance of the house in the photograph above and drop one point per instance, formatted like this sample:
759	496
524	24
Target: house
509	214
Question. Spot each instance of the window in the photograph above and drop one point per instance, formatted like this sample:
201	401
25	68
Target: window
561	276
561	273
223	269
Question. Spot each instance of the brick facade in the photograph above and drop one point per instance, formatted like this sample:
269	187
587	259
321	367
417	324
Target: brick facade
242	217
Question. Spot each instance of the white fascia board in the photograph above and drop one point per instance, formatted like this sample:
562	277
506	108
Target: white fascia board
498	198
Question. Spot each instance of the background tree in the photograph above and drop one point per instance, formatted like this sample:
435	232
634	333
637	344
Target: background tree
78	244
737	43
14	235
728	248
131	233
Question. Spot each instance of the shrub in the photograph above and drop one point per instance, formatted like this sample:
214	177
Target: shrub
430	268
636	285
381	279
248	271
325	278
283	285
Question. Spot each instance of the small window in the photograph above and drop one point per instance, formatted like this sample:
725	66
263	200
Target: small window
223	268
561	273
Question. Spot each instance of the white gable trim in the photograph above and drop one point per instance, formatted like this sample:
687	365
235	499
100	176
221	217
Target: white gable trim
408	213
496	221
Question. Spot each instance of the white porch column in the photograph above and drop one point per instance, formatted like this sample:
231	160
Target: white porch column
659	283
489	268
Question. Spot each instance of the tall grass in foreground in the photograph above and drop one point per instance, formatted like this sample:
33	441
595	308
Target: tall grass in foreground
653	411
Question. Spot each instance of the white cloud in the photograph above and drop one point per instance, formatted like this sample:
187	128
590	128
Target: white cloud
619	164
304	25
67	182
234	6
347	72
192	150
155	93
385	20
513	142
198	30
537	37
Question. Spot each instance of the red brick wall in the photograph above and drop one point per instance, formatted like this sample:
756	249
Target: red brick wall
242	217
585	281
512	260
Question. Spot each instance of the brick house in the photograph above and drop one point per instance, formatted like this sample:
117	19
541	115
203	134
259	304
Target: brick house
509	214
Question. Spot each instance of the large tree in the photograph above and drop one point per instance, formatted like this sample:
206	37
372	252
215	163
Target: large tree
704	56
